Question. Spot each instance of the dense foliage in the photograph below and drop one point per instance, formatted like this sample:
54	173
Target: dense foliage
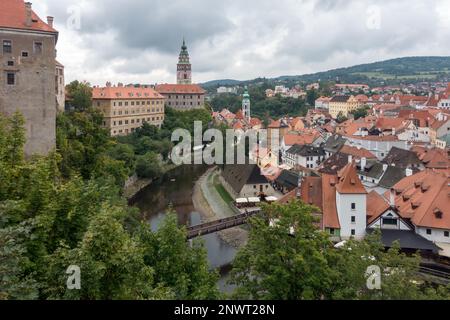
277	264
50	221
261	106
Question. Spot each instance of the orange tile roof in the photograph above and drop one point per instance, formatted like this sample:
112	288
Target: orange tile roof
329	210
376	206
432	158
349	182
425	198
127	92
302	139
180	88
385	123
357	153
13	15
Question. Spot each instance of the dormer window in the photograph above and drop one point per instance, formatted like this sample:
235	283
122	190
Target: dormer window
438	213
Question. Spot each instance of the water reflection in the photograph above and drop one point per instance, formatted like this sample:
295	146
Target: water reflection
176	189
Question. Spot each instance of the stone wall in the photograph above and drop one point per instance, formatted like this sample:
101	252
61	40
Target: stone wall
34	91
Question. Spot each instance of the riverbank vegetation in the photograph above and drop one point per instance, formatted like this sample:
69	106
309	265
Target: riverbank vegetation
54	215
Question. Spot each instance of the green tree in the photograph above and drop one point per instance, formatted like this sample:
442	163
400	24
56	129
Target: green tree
360	112
178	266
149	166
311	97
278	265
79	95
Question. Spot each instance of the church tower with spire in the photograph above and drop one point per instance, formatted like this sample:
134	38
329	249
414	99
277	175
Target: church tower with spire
246	106
184	69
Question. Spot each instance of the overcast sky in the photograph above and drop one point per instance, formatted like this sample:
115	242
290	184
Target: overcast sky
139	40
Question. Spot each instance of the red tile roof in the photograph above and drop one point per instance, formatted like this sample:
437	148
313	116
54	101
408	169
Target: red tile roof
13	15
376	206
349	182
424	198
302	139
127	92
180	88
357	153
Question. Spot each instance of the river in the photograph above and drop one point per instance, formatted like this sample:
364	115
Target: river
175	189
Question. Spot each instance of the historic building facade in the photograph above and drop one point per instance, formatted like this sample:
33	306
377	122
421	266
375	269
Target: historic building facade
27	72
184	95
126	108
184	68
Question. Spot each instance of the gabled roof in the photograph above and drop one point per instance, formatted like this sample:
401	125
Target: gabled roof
376	206
288	179
13	15
334	143
402	158
349	182
238	175
392	176
424	198
357	153
306	151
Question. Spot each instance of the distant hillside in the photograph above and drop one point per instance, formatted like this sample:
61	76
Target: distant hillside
389	72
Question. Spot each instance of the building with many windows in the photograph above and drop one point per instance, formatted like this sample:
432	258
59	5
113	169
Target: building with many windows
27	73
126	108
184	95
343	105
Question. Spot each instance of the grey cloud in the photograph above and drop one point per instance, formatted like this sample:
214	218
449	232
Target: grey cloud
246	39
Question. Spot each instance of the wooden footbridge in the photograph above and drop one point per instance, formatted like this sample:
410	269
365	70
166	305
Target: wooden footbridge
219	225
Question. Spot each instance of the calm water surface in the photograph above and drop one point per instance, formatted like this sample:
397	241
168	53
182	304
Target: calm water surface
175	189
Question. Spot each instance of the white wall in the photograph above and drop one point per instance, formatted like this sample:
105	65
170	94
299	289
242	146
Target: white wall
345	212
400	224
437	235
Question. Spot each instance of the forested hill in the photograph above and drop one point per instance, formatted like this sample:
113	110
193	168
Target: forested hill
395	71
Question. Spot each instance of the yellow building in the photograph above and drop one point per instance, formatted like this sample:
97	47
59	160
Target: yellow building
344	105
126	108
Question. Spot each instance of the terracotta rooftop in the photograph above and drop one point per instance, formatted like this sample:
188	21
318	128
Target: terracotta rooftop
424	198
125	92
13	15
376	206
349	182
180	88
357	153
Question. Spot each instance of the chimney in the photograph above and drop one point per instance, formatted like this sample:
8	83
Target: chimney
385	167
363	163
50	21
392	198
350	159
409	172
28	15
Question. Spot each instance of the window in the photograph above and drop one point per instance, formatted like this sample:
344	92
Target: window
7	46
389	221
353	219
446	234
353	206
429	232
11	78
353	232
332	231
25	54
37	48
10	63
